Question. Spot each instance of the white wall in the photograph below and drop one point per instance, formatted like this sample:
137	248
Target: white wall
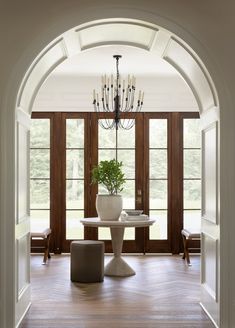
74	93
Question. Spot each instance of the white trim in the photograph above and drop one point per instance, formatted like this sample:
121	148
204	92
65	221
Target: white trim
23	315
186	78
20	292
203	69
126	21
107	43
213	125
72	43
204	309
209	116
211	292
33	65
20	229
160	42
23	118
25	127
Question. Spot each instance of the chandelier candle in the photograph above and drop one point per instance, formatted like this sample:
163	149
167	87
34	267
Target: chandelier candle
118	98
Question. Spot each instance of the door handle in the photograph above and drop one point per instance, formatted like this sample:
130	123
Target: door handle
139	200
139	196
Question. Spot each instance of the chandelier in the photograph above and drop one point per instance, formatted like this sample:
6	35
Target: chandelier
117	97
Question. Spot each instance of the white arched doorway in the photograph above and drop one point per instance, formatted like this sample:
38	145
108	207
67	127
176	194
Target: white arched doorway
168	46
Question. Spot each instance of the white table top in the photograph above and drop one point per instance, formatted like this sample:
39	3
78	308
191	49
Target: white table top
95	222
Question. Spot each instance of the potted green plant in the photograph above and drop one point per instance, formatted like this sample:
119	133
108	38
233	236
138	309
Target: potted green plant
109	174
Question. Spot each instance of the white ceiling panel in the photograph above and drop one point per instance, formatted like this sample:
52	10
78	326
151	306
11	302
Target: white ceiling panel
98	61
117	33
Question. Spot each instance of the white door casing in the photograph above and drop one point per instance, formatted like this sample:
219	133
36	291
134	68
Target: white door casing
202	86
210	232
22	220
178	54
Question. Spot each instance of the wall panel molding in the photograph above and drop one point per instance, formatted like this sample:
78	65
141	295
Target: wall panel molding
22	249
22	172
184	60
209	272
43	65
210	173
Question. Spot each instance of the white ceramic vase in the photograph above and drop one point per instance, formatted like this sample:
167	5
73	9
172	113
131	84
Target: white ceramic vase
108	207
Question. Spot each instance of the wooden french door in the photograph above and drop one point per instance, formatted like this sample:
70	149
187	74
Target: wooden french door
152	153
83	144
129	146
172	183
75	176
157	182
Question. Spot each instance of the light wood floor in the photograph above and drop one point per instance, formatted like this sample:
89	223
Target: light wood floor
163	293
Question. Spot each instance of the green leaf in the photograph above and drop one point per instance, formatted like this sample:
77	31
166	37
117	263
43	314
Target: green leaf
110	175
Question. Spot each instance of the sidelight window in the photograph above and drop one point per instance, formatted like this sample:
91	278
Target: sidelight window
158	177
192	173
40	173
74	178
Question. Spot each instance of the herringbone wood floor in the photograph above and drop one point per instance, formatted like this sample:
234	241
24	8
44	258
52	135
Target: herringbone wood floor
163	293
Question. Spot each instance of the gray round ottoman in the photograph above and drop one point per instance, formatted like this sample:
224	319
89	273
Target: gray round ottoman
87	261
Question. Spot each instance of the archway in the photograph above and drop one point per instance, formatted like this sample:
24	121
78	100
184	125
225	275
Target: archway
168	46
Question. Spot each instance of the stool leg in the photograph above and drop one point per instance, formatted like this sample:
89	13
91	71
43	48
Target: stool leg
46	252
186	252
48	243
184	243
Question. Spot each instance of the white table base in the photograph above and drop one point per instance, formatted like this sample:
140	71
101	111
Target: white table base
117	266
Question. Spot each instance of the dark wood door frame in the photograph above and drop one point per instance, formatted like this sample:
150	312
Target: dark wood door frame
178	242
65	244
175	179
55	183
136	245
157	246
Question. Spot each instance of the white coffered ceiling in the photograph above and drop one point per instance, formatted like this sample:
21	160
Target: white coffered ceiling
69	87
100	60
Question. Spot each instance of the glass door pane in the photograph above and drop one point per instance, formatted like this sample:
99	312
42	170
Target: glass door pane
125	144
74	178
40	174
158	178
192	174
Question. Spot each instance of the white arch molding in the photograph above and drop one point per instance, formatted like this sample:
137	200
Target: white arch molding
177	53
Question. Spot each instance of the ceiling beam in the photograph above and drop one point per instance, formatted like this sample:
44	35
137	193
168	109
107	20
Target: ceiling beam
160	42
72	43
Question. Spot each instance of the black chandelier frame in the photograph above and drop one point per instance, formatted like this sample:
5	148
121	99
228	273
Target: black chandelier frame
117	99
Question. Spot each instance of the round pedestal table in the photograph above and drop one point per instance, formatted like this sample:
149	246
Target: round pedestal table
117	266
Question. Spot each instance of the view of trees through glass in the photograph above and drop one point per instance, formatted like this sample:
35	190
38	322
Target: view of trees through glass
126	155
40	173
158	177
74	178
157	165
192	174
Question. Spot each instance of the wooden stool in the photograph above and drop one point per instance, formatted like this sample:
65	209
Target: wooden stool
187	236
87	261
45	236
